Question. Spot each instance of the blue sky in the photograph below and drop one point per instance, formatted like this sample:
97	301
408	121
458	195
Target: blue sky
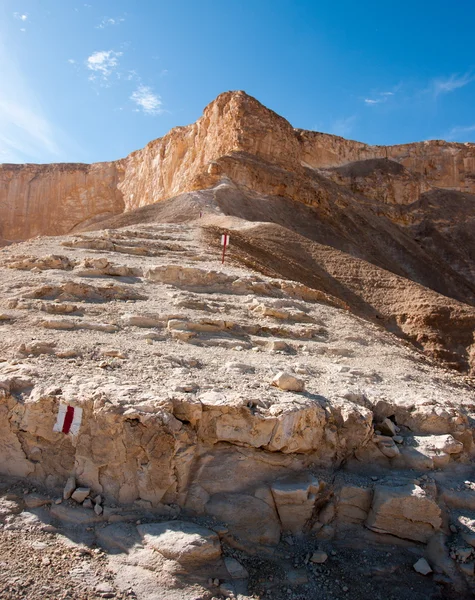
91	81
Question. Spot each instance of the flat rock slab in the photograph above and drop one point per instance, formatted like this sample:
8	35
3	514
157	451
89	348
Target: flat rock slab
74	516
118	538
187	543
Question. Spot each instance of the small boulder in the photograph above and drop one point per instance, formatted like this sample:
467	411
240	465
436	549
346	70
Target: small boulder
287	382
387	427
80	494
422	567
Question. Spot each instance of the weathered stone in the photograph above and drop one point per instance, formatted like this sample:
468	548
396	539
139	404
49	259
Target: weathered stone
36	500
422	567
69	487
80	494
248	518
288	382
184	542
405	511
235	568
353	504
387	427
319	557
294	498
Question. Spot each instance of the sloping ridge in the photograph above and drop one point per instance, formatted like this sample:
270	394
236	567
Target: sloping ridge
337	255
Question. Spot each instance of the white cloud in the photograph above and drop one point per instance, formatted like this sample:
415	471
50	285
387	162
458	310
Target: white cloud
71	61
149	103
343	127
103	63
20	16
459	133
449	84
378	98
107	21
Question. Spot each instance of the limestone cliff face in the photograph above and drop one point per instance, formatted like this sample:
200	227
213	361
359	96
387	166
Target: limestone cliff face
53	199
185	158
237	137
442	164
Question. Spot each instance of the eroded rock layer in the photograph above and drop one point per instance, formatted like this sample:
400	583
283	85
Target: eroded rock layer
255	404
53	199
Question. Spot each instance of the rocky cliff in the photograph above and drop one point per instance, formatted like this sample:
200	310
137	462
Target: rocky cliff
293	402
236	137
52	199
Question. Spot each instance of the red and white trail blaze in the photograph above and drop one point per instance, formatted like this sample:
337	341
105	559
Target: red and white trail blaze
69	419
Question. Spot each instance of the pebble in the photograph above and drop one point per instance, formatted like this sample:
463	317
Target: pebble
319	557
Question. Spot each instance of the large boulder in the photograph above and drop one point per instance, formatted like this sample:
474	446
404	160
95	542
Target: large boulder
405	511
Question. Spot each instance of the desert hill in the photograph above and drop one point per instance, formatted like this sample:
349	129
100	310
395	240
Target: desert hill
295	423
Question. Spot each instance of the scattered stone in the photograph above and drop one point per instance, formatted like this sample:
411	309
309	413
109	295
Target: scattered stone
69	487
319	557
235	569
387	427
287	382
80	494
36	500
87	503
422	567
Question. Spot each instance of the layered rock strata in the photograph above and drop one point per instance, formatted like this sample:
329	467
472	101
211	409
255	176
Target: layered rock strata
53	199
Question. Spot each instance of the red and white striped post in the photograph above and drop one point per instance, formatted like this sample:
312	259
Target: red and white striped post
224	244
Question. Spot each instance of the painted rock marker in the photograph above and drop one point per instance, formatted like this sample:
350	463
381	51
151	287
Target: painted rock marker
69	419
224	244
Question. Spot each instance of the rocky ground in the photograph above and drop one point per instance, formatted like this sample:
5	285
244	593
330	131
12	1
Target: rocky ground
226	414
65	556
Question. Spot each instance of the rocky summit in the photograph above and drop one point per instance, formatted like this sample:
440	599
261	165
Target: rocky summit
289	416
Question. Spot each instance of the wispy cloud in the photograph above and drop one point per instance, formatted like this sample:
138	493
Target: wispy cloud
20	16
103	64
26	133
343	126
460	133
444	85
108	22
378	98
147	101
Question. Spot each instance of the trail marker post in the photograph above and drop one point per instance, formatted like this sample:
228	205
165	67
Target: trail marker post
224	244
